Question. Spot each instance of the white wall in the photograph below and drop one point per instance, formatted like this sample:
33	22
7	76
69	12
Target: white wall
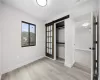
13	54
0	52
83	40
69	42
0	57
83	57
82	44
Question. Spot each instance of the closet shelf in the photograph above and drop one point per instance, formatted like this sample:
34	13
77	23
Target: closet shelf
60	42
82	49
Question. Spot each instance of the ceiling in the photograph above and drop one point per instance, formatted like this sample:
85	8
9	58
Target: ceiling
53	8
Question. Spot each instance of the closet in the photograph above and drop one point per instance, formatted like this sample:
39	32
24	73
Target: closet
60	41
55	41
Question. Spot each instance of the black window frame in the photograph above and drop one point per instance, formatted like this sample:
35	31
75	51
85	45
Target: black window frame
28	33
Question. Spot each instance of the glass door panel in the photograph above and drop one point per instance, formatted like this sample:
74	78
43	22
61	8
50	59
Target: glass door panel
49	41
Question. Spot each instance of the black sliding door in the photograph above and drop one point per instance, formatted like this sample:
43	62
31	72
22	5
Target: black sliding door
50	41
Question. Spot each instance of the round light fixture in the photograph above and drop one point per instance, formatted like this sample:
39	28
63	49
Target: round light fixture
42	2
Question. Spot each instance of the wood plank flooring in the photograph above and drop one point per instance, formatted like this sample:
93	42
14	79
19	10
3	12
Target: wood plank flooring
46	69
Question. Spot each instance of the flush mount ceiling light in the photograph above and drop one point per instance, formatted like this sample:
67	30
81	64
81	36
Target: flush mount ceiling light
42	2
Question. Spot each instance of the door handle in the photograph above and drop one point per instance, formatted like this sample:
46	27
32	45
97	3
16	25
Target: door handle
92	48
89	48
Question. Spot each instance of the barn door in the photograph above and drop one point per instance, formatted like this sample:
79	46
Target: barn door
50	41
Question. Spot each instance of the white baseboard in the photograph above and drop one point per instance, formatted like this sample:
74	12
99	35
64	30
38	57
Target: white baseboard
69	65
49	58
22	64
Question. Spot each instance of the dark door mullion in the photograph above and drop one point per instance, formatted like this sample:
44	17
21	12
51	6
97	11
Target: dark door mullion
29	33
94	46
46	40
98	45
50	39
96	49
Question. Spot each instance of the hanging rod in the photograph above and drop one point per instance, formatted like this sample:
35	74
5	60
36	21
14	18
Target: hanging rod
60	27
57	20
60	42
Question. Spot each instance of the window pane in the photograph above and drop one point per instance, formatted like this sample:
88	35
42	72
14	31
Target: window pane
47	28
47	44
50	51
47	33
25	35
32	35
51	45
51	33
51	39
51	27
47	50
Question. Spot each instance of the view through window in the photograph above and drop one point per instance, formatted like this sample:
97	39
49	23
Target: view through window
28	37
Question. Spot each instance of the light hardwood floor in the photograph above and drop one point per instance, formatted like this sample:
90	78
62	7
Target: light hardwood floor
46	69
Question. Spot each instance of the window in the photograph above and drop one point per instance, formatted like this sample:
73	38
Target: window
28	37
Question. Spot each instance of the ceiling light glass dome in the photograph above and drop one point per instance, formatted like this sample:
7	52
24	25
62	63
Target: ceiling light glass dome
42	2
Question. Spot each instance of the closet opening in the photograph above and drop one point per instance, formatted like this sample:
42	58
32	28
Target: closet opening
51	37
60	41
